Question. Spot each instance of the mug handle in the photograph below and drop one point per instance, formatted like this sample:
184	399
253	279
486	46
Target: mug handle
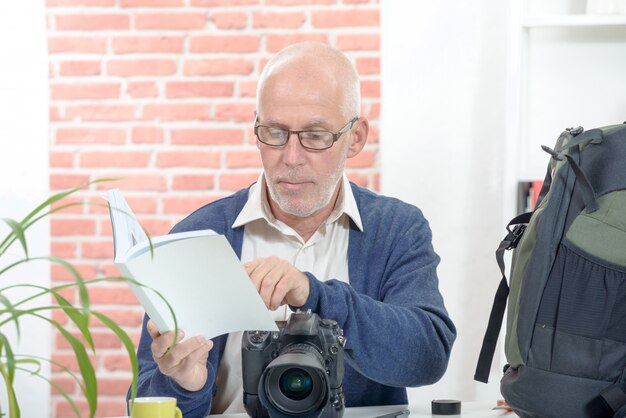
178	413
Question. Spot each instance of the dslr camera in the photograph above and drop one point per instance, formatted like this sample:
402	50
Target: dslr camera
296	371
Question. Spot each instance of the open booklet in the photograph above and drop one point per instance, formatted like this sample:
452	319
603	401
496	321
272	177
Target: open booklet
197	272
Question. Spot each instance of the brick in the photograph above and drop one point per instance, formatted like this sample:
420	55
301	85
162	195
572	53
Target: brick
61	3
360	179
373	111
68	294
122	317
118	295
218	66
147	135
363	159
81	45
376	182
63	249
67	181
64	227
183	205
100	113
229	20
358	42
277	42
106	408
180	111
95	22
114	159
151	3
224	43
243	159
370	88
193	182
247	88
69	205
143	205
79	68
180	21
345	18
90	136
61	274
238	112
54	114
66	384
77	91
224	2
68	360
129	68
113	387
142	89
207	136
182	89
97	250
204	159
297	2
149	181
117	362
289	20
373	136
237	181
59	316
100	340
355	1
368	65
147	44
61	159
156	227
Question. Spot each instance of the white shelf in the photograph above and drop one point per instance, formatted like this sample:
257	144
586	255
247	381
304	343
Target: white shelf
579	20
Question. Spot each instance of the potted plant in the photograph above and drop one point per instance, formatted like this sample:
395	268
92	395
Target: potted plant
79	313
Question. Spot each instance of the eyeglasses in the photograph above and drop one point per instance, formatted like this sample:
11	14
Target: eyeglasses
312	140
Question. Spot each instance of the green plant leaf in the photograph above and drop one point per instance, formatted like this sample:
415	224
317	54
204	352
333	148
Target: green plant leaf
14	407
18	231
10	309
10	358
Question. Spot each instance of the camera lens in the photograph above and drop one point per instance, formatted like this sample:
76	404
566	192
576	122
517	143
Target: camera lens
295	384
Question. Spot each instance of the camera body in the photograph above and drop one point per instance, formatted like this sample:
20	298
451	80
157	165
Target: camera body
296	371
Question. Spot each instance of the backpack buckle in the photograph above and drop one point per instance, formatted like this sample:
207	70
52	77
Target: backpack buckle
515	235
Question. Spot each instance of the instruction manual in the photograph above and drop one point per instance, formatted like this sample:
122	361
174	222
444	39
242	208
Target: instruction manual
197	272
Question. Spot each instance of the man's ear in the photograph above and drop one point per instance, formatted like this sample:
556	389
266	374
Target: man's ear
359	137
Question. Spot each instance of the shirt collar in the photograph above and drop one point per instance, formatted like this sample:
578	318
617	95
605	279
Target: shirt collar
257	206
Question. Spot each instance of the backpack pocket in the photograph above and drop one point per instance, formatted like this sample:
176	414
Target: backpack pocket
581	322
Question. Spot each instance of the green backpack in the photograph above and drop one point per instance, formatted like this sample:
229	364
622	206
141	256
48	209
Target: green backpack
566	322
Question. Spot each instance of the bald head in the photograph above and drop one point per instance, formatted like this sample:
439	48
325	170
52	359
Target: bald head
314	62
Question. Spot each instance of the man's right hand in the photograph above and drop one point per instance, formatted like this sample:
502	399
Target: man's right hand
185	363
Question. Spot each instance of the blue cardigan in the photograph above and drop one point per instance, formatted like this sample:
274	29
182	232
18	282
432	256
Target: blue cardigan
392	314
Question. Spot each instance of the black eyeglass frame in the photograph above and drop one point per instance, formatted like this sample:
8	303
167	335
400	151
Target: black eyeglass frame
336	135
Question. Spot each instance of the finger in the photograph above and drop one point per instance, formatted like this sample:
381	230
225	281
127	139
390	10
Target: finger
152	329
162	343
272	282
180	353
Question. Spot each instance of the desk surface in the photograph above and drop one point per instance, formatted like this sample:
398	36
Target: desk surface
468	410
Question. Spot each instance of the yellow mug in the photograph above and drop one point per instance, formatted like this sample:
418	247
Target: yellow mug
155	407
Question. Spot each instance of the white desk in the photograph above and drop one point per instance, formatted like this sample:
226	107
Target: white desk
468	410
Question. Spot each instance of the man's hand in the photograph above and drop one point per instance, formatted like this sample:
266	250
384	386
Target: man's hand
278	282
186	363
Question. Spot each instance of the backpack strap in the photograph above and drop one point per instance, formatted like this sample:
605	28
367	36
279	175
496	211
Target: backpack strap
499	302
614	400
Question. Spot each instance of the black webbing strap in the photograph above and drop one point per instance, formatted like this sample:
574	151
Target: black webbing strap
499	301
614	398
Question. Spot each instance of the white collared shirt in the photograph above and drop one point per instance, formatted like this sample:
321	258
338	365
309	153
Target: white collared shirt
325	255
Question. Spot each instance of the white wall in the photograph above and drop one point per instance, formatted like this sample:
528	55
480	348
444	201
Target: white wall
442	140
24	172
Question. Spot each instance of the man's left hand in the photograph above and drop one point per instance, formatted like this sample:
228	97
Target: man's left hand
278	282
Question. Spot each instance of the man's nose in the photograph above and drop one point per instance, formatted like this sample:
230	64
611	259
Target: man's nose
294	152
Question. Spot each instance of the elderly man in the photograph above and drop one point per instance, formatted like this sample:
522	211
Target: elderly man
311	239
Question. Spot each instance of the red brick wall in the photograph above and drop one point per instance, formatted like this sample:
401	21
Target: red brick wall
161	92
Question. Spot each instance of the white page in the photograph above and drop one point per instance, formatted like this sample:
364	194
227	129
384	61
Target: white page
204	282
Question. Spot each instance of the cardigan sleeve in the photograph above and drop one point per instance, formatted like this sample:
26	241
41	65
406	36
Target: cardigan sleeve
397	329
